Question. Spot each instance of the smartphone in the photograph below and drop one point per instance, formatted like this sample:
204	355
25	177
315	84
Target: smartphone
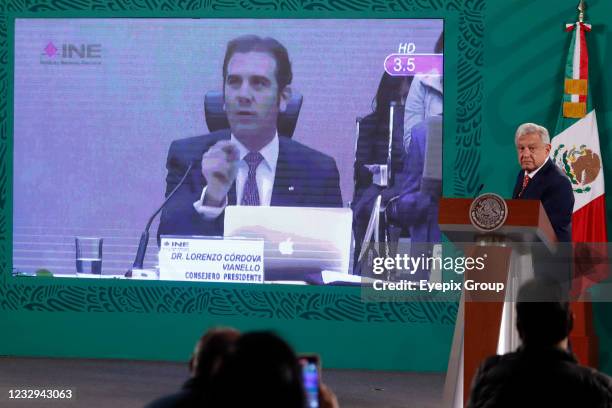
311	375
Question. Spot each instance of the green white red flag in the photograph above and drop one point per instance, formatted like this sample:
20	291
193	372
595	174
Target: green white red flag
575	149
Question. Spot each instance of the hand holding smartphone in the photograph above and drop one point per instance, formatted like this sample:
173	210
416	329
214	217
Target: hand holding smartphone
311	369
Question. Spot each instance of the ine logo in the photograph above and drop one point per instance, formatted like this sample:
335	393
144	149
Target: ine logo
71	54
51	50
175	245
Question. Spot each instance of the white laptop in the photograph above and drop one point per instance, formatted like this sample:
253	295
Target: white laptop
298	240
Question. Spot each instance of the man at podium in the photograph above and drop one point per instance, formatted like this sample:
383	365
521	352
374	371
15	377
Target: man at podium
540	179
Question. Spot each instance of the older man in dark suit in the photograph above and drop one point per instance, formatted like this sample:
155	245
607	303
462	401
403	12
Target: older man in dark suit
249	164
540	179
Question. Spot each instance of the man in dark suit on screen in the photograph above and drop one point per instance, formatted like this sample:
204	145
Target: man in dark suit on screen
248	164
540	179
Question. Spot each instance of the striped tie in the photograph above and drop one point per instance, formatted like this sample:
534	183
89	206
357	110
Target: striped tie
250	195
525	182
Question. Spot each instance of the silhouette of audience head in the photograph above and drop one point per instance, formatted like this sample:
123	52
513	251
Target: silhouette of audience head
208	357
210	352
263	371
544	317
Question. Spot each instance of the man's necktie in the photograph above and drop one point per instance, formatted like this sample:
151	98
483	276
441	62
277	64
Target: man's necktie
250	195
526	180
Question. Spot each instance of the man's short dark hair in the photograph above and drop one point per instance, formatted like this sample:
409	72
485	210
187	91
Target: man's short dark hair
254	43
543	317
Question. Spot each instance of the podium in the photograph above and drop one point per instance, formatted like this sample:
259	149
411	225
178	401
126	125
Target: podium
485	322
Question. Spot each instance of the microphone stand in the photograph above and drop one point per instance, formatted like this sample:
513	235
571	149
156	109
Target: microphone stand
355	169
383	209
392	106
378	209
144	237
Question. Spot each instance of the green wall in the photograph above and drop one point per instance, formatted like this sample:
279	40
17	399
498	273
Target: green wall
162	321
525	49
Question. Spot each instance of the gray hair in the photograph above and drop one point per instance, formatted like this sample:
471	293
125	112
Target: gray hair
527	128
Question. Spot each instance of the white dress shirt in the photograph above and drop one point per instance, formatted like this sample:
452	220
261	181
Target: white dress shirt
533	173
264	175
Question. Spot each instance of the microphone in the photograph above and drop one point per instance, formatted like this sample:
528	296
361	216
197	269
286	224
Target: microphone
478	190
144	237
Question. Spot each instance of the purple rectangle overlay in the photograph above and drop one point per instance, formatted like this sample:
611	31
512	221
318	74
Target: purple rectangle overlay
414	64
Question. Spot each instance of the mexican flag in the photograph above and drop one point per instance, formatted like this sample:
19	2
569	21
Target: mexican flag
575	149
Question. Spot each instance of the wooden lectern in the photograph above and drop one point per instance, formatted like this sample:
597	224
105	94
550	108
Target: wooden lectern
485	323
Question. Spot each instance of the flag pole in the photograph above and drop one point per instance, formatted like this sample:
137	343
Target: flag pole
583	337
581	8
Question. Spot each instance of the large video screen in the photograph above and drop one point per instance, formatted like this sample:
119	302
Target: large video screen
111	115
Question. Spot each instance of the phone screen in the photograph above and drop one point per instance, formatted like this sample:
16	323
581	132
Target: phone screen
310	378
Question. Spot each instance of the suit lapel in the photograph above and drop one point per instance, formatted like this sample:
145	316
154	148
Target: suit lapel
537	180
284	192
518	184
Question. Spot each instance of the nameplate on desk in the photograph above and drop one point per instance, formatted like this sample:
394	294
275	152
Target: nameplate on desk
200	259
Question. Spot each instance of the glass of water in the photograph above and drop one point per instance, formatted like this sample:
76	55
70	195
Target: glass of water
88	255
